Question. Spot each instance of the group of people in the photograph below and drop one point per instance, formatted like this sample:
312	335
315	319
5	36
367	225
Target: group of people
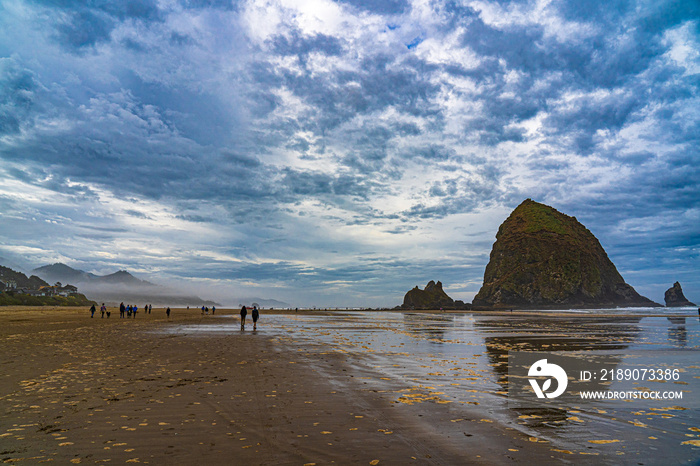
255	314
130	310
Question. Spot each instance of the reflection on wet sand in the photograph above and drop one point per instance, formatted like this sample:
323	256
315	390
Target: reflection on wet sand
550	335
677	331
416	323
460	361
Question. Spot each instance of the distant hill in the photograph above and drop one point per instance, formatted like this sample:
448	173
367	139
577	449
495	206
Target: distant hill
19	279
118	286
123	286
16	289
59	272
544	258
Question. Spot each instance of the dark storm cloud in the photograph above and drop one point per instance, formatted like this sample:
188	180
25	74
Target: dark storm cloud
342	95
622	45
302	46
384	7
431	153
17	96
86	23
215	4
315	184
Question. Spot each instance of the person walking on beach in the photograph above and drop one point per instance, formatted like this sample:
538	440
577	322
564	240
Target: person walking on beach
244	312
122	310
103	309
92	311
213	310
150	308
255	314
167	313
136	308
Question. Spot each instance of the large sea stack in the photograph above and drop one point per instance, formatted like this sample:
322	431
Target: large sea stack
674	297
545	259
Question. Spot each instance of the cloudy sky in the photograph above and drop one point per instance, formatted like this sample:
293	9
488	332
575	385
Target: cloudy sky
340	153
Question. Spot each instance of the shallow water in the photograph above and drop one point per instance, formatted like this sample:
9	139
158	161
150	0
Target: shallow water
463	359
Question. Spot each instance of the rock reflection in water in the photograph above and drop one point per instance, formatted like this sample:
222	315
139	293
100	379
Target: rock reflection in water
554	334
677	332
431	325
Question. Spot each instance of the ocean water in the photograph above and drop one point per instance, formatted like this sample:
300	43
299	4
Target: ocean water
462	358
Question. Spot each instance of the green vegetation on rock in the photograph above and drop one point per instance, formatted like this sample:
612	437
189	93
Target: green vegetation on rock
10	298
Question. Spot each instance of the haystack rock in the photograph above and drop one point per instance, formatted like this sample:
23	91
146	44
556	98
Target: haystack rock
674	297
543	258
432	297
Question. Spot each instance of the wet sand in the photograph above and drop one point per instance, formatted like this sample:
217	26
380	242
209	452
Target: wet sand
80	390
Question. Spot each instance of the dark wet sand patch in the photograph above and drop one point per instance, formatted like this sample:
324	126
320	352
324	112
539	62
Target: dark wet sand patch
81	390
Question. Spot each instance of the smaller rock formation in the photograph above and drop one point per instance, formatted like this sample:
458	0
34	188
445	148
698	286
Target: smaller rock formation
674	297
432	297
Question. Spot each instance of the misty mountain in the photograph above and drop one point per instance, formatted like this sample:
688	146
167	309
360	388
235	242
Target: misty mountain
20	280
123	286
10	264
62	273
117	287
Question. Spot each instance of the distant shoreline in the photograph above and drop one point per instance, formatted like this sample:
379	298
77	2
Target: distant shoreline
196	312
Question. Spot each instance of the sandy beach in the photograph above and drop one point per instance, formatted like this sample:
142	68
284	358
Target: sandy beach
75	389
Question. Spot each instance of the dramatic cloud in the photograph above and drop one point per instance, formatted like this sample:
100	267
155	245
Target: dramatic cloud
340	153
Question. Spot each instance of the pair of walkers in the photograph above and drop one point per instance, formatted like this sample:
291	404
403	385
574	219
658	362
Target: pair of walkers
103	310
254	313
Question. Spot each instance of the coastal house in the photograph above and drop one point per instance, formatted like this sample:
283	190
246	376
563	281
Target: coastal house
8	285
44	291
66	290
56	290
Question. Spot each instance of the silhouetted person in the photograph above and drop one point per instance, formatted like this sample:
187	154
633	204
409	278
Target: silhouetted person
244	312
122	310
167	313
255	314
103	309
150	308
92	311
213	310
